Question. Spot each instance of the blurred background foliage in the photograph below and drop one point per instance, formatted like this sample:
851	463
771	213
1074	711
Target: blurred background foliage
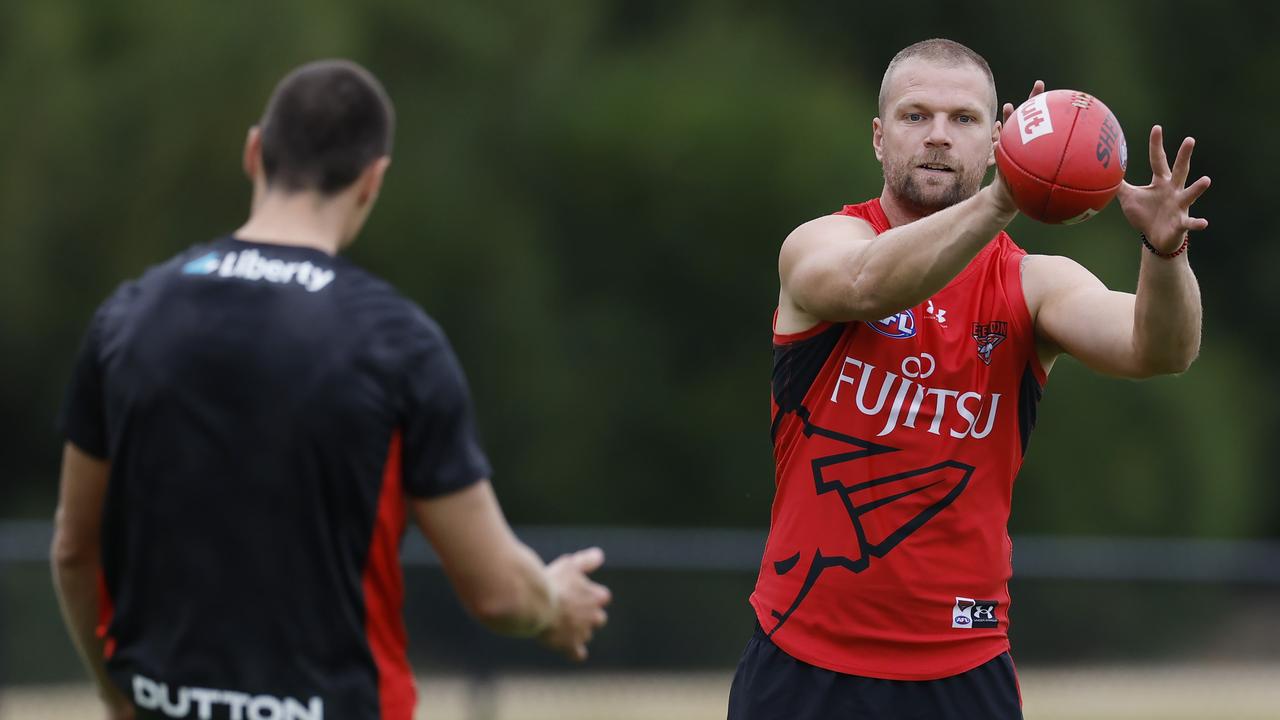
590	196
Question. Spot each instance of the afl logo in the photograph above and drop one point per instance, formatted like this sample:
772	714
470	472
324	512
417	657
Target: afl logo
899	327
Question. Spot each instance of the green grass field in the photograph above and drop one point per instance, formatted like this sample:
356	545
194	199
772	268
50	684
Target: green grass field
1210	692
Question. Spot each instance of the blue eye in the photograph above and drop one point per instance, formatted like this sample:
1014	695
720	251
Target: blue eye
966	119
914	117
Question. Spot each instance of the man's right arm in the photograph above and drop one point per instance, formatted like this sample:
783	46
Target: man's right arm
502	582
837	269
77	566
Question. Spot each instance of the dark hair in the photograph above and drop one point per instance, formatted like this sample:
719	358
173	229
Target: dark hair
325	123
943	52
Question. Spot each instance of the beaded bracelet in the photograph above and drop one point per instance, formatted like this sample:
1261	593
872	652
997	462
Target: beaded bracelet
1186	240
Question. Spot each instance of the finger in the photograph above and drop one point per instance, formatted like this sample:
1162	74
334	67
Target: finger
1159	161
1182	162
1036	88
599	618
601	593
580	652
1007	111
589	560
1125	189
1193	192
1195	224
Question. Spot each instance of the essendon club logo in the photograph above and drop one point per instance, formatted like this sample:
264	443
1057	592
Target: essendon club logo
989	335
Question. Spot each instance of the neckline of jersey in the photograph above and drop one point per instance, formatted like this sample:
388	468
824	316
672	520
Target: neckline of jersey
275	246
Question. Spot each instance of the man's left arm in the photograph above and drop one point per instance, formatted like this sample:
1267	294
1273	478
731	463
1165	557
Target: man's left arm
1155	331
76	564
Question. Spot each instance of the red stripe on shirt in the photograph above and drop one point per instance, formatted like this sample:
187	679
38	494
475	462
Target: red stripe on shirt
384	596
106	611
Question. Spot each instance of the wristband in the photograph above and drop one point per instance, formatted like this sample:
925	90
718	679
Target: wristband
1186	240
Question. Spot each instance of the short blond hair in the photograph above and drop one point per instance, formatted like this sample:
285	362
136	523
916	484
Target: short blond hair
944	52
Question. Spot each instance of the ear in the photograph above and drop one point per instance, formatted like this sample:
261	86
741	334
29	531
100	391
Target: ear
995	138
252	160
877	138
370	182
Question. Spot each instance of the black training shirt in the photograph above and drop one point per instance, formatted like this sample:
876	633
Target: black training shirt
265	410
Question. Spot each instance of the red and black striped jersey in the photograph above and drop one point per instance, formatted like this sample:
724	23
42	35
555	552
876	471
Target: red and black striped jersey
896	443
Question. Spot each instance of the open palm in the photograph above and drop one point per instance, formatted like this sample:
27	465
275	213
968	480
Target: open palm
1162	210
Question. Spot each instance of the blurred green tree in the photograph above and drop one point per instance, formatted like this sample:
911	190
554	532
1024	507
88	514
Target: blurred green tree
590	198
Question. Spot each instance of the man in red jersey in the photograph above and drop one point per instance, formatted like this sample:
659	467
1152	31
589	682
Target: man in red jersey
911	342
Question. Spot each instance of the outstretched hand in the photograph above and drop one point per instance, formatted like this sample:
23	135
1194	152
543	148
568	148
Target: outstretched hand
1162	210
579	602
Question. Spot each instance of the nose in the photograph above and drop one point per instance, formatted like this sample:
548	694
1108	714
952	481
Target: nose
938	136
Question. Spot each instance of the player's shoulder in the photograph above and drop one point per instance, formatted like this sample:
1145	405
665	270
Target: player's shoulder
1049	265
836	224
159	274
1008	244
1045	275
1006	251
861	221
809	247
150	281
382	310
825	230
376	297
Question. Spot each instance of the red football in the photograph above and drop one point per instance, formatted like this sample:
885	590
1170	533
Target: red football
1063	156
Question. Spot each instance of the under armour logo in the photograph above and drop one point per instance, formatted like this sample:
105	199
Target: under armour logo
939	315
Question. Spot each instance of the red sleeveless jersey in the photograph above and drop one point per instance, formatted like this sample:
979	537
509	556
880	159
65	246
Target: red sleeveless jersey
896	443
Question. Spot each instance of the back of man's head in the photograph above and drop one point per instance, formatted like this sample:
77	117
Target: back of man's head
325	123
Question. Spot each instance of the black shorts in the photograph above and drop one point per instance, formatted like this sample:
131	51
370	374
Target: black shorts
772	685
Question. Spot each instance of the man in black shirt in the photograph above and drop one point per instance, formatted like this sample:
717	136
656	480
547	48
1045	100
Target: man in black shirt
248	427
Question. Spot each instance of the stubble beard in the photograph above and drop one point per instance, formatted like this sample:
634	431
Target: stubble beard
925	200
